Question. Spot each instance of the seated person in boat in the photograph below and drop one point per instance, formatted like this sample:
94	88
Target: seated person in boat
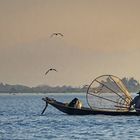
76	103
136	103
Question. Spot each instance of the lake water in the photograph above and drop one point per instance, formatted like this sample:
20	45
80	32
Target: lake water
20	119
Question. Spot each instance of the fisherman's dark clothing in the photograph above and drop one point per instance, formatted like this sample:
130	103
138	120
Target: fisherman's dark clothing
136	103
73	102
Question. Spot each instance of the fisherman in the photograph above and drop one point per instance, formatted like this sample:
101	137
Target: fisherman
76	103
136	103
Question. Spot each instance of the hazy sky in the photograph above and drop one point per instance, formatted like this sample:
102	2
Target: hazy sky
100	37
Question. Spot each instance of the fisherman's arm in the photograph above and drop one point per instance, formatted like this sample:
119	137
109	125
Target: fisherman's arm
131	103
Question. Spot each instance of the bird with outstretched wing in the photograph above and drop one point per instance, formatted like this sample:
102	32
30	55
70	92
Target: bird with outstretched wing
50	70
57	34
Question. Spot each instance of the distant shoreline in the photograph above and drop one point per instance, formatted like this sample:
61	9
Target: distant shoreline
41	94
131	84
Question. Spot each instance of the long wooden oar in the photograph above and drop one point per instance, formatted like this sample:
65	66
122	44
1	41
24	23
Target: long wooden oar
44	108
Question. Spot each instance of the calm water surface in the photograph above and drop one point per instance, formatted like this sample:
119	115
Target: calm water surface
20	119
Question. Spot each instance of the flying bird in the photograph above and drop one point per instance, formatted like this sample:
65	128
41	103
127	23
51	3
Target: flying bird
57	34
50	70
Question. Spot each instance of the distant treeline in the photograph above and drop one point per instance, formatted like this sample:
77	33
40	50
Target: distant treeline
131	84
6	88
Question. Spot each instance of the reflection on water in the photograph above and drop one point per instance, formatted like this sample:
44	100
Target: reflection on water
20	119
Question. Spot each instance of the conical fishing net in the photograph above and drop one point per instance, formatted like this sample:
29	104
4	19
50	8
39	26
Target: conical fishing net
108	93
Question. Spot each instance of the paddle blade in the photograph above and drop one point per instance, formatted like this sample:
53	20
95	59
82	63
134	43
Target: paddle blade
44	108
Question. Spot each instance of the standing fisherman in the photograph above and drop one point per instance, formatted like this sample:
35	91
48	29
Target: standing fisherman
136	102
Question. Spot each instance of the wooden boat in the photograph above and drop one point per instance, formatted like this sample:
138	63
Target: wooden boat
106	95
63	107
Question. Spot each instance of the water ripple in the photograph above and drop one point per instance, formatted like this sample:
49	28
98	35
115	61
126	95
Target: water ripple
20	119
